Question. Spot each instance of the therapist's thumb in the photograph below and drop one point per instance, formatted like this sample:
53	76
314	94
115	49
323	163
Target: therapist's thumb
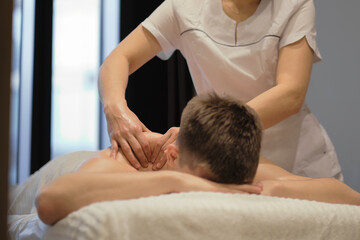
114	149
144	128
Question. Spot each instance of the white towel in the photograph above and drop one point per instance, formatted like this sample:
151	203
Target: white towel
201	215
196	215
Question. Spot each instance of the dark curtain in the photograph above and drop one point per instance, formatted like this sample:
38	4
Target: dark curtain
158	91
41	112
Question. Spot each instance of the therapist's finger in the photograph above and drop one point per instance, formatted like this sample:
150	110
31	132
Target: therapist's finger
138	151
160	164
159	151
128	153
145	145
161	158
144	128
157	148
161	145
114	148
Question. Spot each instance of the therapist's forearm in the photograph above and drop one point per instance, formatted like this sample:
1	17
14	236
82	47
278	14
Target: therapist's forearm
292	80
277	104
113	79
134	51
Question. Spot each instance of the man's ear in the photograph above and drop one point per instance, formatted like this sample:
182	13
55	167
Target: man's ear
172	154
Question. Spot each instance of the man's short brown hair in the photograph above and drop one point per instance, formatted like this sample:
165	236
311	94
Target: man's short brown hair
223	134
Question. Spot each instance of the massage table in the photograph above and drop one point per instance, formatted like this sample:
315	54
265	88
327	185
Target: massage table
193	215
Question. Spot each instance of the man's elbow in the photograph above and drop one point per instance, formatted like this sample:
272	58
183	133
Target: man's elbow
47	208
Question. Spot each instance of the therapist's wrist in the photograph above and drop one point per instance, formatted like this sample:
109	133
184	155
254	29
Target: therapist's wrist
112	106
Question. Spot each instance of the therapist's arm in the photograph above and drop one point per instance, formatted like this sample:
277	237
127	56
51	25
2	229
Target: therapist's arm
292	80
125	129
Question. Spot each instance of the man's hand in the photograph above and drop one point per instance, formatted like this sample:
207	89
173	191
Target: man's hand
127	132
270	187
158	158
244	188
194	183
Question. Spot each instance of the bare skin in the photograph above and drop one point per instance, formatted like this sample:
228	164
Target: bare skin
240	10
102	178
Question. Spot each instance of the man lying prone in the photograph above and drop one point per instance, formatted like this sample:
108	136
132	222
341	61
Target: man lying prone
217	150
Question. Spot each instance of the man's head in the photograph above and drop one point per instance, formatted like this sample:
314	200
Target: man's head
219	139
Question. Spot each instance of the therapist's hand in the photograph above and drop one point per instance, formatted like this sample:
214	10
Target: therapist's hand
158	158
127	132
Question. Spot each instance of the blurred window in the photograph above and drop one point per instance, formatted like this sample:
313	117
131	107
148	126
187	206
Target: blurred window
84	33
15	91
76	59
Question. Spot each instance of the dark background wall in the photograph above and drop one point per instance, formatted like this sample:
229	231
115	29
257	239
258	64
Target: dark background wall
6	7
147	87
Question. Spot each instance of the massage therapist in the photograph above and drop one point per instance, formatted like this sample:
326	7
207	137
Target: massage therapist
260	52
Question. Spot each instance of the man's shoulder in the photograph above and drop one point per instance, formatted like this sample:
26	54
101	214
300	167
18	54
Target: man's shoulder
102	162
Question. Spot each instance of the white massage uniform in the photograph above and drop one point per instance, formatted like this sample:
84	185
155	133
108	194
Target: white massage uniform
241	59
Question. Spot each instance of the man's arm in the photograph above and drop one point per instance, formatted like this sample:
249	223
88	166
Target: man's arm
327	190
279	182
100	178
70	192
106	179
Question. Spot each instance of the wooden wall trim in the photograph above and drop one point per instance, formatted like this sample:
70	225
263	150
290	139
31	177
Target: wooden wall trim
6	7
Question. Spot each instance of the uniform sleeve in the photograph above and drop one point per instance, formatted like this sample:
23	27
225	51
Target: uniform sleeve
162	23
302	24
